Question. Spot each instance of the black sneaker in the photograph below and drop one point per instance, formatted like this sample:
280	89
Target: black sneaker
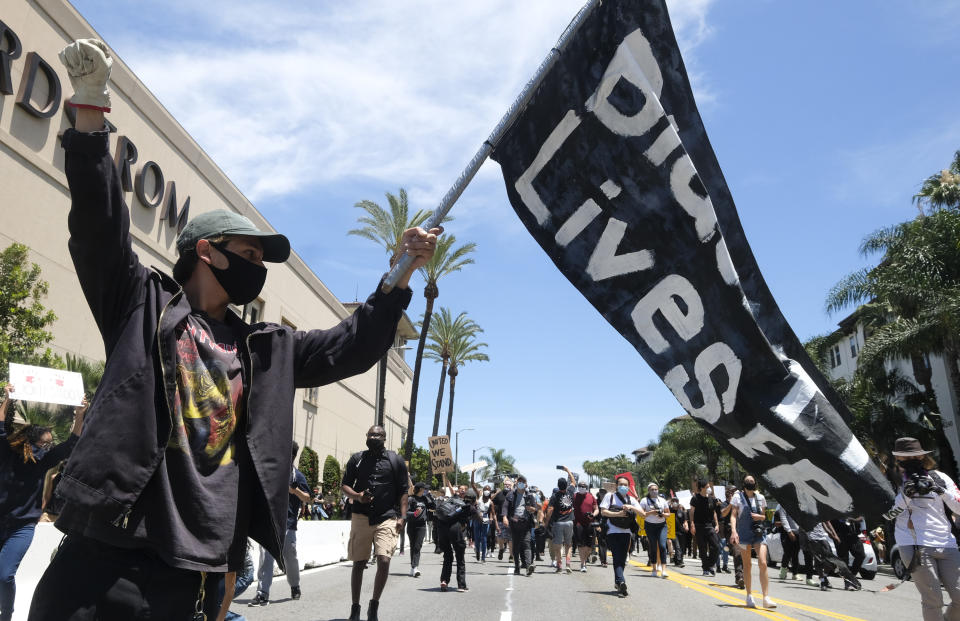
622	589
295	592
852	584
516	572
372	610
354	612
529	569
259	600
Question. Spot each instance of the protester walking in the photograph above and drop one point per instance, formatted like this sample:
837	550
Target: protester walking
704	526
620	509
790	543
585	510
748	515
928	547
519	509
655	512
559	520
25	456
453	515
727	547
417	507
179	363
299	494
481	519
376	480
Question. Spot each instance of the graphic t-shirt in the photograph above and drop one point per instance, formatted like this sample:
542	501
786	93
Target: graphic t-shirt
200	522
562	503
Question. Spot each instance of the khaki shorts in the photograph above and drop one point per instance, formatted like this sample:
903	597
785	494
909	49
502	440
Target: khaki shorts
382	537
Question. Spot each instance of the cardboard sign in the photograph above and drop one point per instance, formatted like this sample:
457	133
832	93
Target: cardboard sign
440	458
683	497
46	385
474	466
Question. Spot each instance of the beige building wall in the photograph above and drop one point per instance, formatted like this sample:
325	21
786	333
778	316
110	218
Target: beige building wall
34	201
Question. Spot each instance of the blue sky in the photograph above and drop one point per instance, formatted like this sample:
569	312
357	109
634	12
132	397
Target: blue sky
825	118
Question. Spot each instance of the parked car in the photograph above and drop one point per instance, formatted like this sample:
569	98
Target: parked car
867	571
899	569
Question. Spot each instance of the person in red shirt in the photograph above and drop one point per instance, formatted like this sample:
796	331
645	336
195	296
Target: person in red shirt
585	511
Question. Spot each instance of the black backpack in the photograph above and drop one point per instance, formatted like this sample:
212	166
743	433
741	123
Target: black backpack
449	510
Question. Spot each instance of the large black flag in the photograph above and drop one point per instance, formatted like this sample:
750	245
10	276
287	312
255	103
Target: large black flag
610	169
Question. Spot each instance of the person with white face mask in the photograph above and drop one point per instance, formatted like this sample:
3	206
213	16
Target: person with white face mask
621	510
655	510
749	512
518	510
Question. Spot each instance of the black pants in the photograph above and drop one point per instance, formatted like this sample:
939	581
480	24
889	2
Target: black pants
520	532
708	546
452	543
541	538
824	560
417	533
791	553
850	544
91	581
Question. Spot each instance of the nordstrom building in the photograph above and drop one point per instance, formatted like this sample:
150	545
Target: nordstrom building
168	179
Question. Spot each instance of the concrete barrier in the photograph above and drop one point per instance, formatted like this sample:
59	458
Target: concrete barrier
318	543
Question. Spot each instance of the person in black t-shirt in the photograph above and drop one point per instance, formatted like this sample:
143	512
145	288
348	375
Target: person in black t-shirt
417	507
704	527
376	480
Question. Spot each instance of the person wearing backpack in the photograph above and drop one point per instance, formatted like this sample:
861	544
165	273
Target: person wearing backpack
620	509
376	480
560	520
452	515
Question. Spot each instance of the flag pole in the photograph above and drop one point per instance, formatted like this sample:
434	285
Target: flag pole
403	265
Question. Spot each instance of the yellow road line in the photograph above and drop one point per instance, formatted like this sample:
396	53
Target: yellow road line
783	602
723	597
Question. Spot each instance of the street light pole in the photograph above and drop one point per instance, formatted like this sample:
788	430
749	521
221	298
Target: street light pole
456	453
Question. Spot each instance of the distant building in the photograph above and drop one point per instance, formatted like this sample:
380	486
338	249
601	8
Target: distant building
843	358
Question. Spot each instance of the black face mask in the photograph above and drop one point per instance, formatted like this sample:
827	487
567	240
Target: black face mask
38	452
913	466
375	444
242	280
750	486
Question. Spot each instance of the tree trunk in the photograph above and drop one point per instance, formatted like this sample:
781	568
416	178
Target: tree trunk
453	382
443	381
415	387
382	388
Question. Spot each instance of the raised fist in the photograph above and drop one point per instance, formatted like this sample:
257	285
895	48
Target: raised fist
88	64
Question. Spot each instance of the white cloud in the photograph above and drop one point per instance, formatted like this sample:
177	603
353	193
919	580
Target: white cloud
286	96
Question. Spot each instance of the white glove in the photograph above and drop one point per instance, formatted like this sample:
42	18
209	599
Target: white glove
88	64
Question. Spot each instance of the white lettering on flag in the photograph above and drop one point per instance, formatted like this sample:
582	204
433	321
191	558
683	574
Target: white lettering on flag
606	263
551	145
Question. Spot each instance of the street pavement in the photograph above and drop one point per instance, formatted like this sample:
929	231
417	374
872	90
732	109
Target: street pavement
497	595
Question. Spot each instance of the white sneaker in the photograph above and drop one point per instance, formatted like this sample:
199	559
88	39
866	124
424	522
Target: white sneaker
653	572
412	569
750	602
416	572
768	603
663	573
583	569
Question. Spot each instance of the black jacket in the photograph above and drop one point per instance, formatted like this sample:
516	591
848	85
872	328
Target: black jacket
128	424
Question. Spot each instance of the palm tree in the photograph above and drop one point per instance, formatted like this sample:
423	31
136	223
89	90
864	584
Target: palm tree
386	229
912	299
442	334
500	465
445	261
463	350
941	190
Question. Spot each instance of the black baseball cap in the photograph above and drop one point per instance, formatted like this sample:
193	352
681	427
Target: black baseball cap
276	247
